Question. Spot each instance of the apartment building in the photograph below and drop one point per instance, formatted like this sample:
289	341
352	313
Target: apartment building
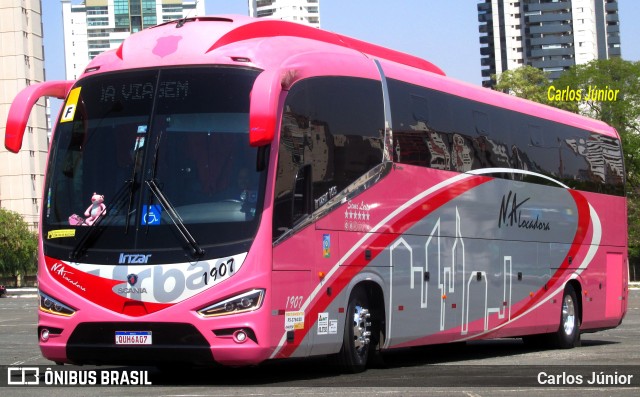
302	11
551	35
22	64
94	26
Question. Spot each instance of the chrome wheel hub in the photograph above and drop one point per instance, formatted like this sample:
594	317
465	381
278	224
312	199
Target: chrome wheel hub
361	332
568	315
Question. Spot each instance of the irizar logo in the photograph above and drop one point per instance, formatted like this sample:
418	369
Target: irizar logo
133	258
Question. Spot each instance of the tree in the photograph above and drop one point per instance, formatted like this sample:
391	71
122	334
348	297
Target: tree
529	83
18	245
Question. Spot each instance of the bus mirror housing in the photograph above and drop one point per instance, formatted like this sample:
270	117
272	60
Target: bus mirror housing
21	109
263	110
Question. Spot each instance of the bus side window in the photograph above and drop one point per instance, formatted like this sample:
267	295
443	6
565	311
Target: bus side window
331	135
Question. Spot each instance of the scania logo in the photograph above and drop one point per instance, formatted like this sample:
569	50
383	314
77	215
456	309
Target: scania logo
122	291
132	279
134	258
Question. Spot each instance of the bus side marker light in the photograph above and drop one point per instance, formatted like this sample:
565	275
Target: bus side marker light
444	296
367	254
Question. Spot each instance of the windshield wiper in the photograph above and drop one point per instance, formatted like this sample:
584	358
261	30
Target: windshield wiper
197	252
90	235
133	183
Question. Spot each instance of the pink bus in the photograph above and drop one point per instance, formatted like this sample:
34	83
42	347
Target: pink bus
231	190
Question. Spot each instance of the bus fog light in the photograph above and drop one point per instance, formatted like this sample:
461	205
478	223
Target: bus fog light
44	335
240	336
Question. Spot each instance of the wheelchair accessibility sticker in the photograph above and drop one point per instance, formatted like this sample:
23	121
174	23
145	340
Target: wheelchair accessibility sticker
151	214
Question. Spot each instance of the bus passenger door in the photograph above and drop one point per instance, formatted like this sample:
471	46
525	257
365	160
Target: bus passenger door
292	265
292	262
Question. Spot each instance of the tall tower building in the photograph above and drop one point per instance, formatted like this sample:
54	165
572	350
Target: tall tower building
302	11
22	64
551	35
94	26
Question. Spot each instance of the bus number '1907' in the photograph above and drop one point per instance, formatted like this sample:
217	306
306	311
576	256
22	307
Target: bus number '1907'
220	270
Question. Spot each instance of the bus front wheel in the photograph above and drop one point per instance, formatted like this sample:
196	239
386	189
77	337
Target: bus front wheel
356	343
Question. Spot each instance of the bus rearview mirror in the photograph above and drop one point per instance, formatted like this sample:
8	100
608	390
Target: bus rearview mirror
263	110
21	109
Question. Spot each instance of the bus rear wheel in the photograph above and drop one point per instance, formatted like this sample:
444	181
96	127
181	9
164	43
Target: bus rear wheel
568	334
356	344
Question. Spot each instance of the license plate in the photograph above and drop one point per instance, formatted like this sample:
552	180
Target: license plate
133	337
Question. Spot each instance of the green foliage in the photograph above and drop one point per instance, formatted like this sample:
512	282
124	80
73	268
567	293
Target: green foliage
623	113
529	83
18	245
633	208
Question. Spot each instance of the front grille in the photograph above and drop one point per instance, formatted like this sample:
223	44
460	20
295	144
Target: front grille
94	343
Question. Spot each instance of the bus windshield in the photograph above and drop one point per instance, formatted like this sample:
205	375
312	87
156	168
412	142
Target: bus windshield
141	157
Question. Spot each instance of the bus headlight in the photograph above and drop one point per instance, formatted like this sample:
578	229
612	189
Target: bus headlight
245	302
54	306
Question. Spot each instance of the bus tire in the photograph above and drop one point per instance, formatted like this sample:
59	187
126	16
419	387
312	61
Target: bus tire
568	334
356	344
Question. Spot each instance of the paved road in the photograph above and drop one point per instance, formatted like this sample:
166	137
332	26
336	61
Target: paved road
506	365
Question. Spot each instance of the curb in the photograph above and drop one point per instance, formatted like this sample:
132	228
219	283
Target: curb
21	293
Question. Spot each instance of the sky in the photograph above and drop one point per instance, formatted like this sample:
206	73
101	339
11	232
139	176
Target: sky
444	32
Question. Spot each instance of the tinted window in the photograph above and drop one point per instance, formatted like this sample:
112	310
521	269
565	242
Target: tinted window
334	125
438	130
